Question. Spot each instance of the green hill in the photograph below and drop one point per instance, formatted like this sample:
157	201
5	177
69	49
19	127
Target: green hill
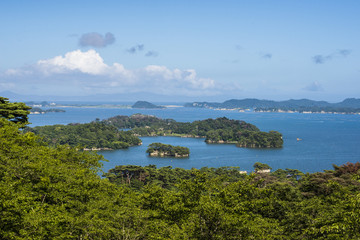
144	104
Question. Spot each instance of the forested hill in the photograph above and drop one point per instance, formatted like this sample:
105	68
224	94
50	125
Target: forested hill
350	105
144	104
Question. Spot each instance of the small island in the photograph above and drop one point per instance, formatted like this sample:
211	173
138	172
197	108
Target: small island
167	150
37	110
146	105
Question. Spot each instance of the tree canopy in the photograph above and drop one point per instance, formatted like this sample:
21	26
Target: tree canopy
16	112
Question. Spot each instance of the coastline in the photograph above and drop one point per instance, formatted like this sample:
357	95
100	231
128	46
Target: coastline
281	111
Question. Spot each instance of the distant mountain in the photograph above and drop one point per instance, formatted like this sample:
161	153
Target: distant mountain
12	96
350	105
144	104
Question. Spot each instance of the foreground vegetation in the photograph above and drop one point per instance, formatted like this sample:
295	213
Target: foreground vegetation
55	192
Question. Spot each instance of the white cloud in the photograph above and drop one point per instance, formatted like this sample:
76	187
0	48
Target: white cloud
88	72
159	72
88	62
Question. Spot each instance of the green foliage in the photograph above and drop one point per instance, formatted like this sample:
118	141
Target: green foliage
56	193
15	112
89	135
224	204
261	166
137	177
292	174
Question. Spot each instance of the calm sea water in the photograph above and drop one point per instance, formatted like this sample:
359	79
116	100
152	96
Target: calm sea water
326	139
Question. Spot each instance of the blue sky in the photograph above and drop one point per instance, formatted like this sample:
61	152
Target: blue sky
211	50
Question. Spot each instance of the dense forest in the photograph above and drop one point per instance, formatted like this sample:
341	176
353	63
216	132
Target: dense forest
96	135
56	192
220	130
167	150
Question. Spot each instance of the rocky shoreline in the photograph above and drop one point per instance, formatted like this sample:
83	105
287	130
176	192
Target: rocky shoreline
167	154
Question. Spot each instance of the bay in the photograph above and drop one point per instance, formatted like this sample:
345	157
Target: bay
326	139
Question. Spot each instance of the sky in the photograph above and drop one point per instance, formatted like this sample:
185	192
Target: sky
181	50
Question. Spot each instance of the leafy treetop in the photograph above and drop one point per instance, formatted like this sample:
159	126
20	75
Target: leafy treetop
14	111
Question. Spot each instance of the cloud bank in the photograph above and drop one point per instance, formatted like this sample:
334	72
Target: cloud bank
96	40
87	71
321	59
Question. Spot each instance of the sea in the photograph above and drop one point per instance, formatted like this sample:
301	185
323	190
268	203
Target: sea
312	142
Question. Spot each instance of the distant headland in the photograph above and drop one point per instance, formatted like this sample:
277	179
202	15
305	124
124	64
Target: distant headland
348	106
144	104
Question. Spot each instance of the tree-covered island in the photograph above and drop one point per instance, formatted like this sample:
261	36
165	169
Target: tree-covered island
220	130
37	110
145	105
167	150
